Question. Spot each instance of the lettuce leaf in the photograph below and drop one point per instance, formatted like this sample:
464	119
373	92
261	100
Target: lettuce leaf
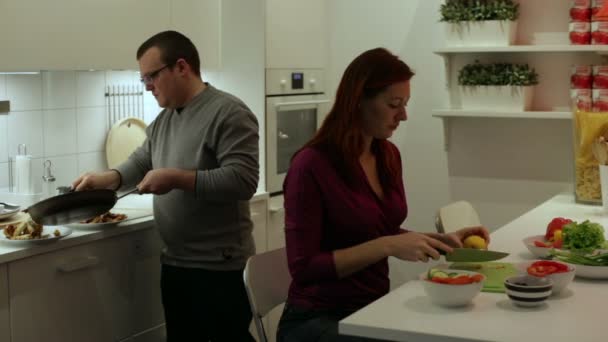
585	236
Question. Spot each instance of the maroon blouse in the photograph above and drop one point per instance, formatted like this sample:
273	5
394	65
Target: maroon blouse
323	214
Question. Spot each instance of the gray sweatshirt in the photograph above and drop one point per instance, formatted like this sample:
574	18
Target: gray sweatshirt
216	135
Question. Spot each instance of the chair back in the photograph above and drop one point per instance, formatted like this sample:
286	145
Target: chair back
267	281
455	216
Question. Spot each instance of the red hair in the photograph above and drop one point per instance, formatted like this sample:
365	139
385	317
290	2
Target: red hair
341	135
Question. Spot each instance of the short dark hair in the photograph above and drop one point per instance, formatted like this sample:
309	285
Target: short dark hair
173	46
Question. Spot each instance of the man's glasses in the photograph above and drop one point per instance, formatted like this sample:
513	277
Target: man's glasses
149	78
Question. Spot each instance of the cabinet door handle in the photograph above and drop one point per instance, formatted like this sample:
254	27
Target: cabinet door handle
79	264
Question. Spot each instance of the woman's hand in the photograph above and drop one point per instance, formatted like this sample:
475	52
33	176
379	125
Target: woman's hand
414	246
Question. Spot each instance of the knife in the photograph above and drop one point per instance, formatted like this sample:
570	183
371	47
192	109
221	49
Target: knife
472	255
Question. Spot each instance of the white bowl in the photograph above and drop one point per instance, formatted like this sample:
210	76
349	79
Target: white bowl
539	252
452	294
526	290
560	280
591	272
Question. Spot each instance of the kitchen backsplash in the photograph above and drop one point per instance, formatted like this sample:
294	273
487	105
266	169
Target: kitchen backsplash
61	116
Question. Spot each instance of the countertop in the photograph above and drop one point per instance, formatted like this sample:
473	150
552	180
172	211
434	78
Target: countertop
577	314
138	206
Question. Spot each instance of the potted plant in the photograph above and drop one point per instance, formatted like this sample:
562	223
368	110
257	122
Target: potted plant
480	22
497	86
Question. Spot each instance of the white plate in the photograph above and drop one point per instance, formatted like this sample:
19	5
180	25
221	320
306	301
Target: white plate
132	214
5	213
89	226
64	231
591	272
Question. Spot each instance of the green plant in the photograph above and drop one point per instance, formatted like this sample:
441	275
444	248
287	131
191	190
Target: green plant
455	11
497	74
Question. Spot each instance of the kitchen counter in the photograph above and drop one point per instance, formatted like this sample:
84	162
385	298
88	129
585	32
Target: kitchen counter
406	313
138	205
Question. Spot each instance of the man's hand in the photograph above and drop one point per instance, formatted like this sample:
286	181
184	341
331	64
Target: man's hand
101	180
161	181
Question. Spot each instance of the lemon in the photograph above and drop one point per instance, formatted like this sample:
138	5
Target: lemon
475	241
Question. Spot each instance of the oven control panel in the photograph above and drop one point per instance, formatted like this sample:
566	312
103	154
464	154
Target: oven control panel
294	81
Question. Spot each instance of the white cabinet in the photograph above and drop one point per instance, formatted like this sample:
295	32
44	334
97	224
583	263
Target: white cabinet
259	216
77	294
81	35
75	34
5	327
200	21
276	223
276	239
296	34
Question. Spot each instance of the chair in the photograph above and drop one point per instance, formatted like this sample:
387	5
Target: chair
455	216
267	282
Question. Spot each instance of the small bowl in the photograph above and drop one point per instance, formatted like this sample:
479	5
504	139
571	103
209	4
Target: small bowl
452	294
525	290
560	280
539	252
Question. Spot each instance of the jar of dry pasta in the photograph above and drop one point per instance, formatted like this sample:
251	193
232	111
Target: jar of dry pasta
588	127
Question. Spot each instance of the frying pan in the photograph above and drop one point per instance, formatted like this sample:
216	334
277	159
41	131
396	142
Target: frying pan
74	206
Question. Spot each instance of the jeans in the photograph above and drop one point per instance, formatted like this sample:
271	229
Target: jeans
308	325
203	305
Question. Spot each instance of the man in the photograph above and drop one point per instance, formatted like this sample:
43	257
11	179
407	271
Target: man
200	160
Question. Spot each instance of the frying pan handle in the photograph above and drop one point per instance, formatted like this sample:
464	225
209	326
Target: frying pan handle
132	191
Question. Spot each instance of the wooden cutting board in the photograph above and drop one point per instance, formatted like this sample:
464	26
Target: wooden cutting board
123	138
495	272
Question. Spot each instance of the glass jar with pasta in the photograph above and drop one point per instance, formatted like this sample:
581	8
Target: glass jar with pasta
588	128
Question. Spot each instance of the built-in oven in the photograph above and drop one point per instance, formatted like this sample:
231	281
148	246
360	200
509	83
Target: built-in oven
296	104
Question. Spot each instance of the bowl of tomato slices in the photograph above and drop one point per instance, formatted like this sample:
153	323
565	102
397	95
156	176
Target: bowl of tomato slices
452	287
561	274
539	246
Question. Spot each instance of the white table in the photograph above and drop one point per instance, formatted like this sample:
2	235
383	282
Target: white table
579	314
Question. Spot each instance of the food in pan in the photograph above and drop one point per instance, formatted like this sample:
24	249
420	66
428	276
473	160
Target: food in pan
26	230
106	218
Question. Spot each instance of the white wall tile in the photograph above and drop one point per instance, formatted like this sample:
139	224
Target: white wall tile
3	138
91	162
3	175
26	128
65	169
59	132
37	169
24	92
151	108
90	88
3	87
92	129
150	113
122	77
58	89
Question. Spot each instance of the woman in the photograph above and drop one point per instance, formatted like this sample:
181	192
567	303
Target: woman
345	201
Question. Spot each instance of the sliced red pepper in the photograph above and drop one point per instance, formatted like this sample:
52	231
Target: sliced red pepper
544	268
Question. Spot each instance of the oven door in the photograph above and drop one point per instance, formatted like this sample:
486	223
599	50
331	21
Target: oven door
291	121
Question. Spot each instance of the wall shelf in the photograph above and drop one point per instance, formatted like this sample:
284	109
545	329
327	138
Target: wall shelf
460	113
599	49
451	114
